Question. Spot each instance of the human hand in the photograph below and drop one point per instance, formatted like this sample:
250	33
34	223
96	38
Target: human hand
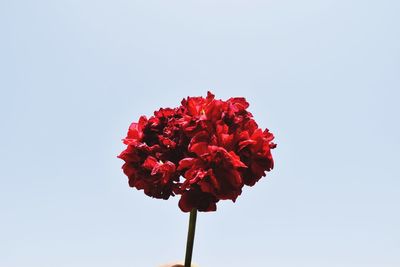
172	265
176	264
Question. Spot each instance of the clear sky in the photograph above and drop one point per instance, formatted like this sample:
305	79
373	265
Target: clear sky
323	76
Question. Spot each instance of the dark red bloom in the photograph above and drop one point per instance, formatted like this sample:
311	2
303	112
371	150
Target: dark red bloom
214	145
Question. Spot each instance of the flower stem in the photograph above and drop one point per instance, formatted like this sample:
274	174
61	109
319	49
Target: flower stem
190	238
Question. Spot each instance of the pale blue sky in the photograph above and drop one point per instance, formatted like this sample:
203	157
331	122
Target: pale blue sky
322	75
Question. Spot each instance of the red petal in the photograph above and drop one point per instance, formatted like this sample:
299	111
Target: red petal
186	163
199	148
150	163
236	160
185	203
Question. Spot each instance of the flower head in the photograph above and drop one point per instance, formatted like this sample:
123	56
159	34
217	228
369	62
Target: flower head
205	150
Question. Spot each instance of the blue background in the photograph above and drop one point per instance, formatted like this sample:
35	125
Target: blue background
323	76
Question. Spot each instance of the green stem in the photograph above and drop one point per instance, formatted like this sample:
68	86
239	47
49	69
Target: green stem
190	238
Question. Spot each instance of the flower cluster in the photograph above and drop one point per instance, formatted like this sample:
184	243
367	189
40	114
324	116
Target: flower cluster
205	150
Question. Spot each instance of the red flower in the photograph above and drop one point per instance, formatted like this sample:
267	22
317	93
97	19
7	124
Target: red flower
197	199
150	158
215	171
215	145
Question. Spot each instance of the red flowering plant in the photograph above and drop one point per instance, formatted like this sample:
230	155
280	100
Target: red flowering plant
205	150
